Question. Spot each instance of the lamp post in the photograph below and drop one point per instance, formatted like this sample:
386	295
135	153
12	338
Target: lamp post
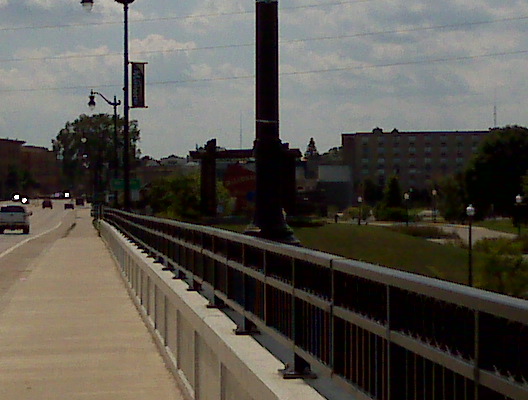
360	202
434	193
269	221
406	197
518	202
114	104
470	211
88	4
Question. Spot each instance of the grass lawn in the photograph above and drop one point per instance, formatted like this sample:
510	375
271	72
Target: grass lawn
382	246
503	225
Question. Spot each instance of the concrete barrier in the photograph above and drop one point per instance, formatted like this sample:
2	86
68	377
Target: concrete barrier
199	346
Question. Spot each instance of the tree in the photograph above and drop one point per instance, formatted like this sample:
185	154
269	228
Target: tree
311	150
178	197
494	176
452	198
372	192
86	147
392	196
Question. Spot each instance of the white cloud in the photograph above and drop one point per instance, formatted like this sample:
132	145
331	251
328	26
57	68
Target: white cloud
376	79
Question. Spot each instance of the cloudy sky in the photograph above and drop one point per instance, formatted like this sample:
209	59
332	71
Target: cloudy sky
346	66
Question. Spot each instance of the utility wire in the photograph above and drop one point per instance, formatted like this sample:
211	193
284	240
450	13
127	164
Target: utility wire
175	18
284	41
285	74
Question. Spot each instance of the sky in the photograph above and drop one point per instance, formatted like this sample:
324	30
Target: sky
345	66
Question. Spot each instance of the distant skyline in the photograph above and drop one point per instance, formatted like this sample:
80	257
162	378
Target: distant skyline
346	66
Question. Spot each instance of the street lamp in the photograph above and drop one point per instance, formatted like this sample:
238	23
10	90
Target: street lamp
88	4
470	211
434	193
518	202
269	221
360	201
114	104
406	197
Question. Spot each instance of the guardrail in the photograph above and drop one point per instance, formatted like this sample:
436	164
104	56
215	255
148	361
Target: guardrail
379	333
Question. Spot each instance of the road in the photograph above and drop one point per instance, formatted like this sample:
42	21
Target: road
18	251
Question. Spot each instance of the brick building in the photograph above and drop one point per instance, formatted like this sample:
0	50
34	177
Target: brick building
419	159
39	162
10	158
44	169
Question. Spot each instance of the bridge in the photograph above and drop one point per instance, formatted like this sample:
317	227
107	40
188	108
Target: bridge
236	317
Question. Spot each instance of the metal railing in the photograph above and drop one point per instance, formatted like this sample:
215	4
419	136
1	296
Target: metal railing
379	333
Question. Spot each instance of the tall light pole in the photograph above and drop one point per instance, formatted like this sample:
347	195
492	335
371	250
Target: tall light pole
88	4
269	221
114	104
434	193
406	197
360	202
518	202
470	211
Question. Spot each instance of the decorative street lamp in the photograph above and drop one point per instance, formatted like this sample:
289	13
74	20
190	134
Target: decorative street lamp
406	197
434	193
88	4
269	221
360	202
470	211
518	202
114	104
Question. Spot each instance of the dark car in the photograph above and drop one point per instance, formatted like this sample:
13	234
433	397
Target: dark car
68	206
47	204
79	202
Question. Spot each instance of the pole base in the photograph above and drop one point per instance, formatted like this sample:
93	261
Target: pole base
281	234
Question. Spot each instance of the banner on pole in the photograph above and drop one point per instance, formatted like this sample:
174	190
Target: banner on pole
138	85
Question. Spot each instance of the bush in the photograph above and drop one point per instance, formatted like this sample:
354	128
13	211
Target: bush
504	270
391	214
353	212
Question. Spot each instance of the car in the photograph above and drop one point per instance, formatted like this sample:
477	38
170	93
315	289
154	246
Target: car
79	201
13	217
47	204
68	206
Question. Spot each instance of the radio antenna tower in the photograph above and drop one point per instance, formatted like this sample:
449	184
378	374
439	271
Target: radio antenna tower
240	129
495	110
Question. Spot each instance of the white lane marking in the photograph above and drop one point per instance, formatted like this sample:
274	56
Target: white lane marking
5	253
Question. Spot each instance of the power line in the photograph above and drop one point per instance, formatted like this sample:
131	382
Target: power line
284	41
285	74
180	17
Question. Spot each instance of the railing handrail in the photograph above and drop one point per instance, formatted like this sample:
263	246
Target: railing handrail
349	300
475	298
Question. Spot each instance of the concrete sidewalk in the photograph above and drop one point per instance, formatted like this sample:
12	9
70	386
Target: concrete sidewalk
70	330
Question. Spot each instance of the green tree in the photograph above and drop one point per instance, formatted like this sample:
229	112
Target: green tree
452	198
494	176
372	193
178	197
86	145
311	149
392	196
